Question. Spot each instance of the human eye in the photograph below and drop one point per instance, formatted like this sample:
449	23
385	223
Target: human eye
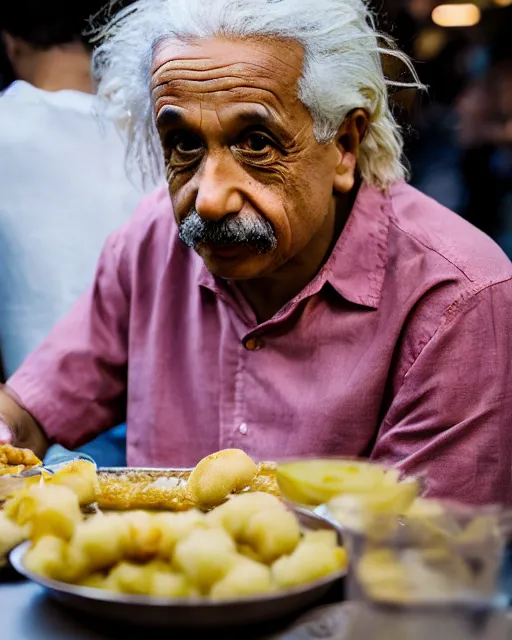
256	142
258	148
183	148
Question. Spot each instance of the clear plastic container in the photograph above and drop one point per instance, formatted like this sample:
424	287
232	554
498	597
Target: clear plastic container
432	575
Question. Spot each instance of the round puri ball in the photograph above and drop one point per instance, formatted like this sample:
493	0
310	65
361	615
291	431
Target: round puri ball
246	577
234	515
47	509
152	578
80	476
204	556
11	534
144	535
272	533
310	561
218	475
46	557
174	526
99	542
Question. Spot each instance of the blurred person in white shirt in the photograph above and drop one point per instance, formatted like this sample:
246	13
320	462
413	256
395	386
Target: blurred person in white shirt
63	185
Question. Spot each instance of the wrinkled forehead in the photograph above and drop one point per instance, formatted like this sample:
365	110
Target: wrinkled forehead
222	68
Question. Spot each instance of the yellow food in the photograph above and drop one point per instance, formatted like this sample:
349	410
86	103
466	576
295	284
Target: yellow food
175	526
144	534
315	482
47	557
136	489
272	533
167	584
247	551
218	475
99	543
143	490
46	509
9	470
95	580
310	561
245	578
152	578
231	551
327	537
234	515
205	556
11	534
80	476
16	460
265	479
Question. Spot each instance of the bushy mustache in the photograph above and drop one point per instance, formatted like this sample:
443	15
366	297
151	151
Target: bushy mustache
238	229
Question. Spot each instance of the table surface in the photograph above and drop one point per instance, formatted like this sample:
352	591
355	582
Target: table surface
28	613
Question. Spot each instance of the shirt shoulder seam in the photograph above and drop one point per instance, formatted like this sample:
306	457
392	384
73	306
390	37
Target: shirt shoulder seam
394	222
451	313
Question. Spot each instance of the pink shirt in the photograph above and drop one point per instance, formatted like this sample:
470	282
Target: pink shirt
399	349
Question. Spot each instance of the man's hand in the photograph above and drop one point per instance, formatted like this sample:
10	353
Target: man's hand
18	427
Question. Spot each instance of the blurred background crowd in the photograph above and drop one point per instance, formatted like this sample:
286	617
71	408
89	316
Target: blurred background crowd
63	188
459	132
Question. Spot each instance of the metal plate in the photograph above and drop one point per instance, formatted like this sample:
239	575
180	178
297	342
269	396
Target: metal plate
187	612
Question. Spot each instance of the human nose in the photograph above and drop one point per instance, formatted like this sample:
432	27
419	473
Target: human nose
218	192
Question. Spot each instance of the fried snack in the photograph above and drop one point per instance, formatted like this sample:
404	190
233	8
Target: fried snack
186	554
144	534
47	557
205	556
170	490
11	470
141	490
309	561
272	533
154	578
218	475
99	543
79	476
11	534
14	460
245	578
234	515
265	480
176	526
45	509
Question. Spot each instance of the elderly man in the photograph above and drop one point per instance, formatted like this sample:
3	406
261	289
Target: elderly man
303	300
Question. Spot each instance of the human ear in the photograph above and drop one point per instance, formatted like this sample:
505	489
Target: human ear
348	140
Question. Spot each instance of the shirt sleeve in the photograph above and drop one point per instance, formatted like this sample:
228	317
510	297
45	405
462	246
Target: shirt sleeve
451	420
74	384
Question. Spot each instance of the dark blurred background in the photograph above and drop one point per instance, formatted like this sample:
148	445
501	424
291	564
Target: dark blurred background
459	133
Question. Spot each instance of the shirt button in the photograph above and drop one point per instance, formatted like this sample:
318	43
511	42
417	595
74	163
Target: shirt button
253	344
243	428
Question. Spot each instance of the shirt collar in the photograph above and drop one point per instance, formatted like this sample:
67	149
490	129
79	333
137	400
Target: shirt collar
357	264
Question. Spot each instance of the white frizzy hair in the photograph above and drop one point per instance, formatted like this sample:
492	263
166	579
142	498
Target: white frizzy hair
342	68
